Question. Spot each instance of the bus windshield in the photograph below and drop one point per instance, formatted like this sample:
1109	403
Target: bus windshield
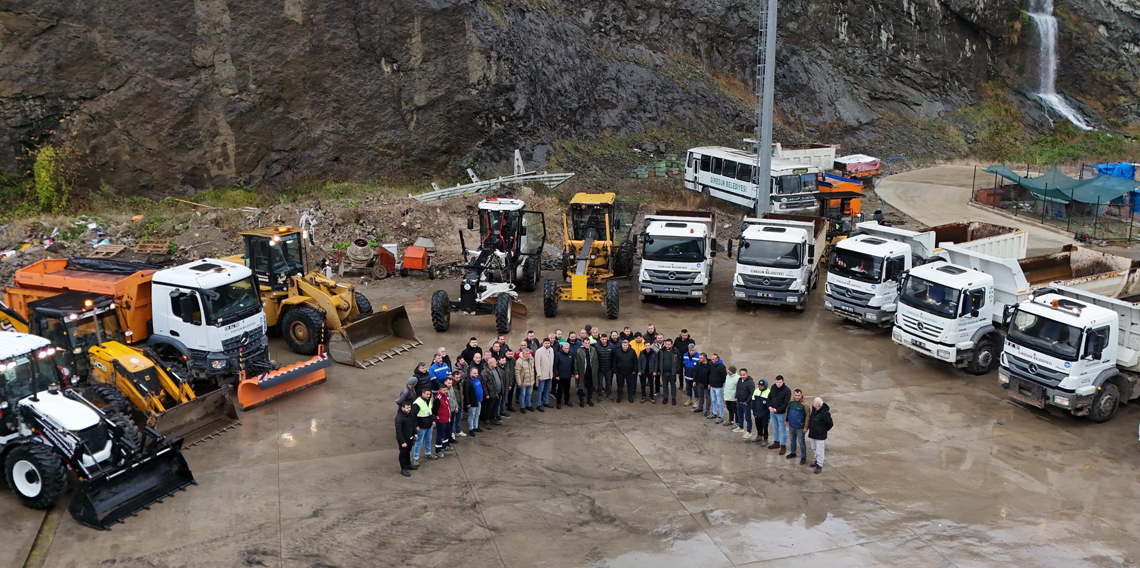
796	183
1043	334
674	249
930	297
857	266
770	253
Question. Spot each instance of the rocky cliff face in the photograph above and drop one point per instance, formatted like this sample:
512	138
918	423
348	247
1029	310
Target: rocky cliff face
183	96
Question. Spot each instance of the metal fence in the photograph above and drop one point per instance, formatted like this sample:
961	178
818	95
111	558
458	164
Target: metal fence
1112	222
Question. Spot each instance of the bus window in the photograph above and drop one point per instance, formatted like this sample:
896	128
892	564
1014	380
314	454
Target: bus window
717	165
744	173
729	169
809	182
706	163
692	161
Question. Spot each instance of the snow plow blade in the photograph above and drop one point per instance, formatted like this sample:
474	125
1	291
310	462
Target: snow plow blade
200	419
269	386
373	338
145	478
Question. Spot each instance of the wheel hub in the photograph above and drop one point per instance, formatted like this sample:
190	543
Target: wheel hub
985	358
27	479
299	332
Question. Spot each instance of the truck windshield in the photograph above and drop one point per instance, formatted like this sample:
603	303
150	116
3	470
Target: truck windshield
231	302
1045	335
930	297
769	253
285	255
674	249
29	373
856	265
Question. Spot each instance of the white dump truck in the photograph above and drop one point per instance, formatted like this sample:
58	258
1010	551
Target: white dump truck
1074	349
677	255
864	270
778	259
951	309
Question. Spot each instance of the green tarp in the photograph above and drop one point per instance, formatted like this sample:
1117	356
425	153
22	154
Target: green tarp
1059	188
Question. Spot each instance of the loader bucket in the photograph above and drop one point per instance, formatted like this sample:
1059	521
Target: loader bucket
142	480
275	384
373	338
200	419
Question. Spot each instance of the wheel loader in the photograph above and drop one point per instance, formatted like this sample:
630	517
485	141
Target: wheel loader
112	375
508	256
47	429
311	309
599	247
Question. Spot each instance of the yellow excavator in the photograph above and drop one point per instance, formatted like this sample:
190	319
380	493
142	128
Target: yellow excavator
111	374
310	308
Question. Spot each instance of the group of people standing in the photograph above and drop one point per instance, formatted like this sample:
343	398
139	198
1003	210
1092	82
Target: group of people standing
486	386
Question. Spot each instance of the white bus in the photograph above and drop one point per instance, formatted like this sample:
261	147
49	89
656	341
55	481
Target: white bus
727	173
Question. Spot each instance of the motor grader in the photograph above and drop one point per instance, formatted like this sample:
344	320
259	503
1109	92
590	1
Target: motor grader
599	247
310	309
124	379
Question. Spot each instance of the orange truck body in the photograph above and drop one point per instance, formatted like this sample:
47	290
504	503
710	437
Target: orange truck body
830	183
51	277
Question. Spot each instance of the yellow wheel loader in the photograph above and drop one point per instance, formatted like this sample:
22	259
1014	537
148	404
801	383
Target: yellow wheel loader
599	247
310	308
85	328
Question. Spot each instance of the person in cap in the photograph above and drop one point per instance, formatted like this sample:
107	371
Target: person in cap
408	395
689	358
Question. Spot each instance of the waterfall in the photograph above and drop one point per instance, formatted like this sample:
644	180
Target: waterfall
1041	12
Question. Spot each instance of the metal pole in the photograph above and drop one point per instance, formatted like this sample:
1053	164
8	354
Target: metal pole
1069	213
1132	213
1096	215
766	77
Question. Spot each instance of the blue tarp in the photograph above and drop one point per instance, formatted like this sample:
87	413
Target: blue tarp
1121	170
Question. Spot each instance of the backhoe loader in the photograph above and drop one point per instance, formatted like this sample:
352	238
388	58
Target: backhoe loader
115	376
310	309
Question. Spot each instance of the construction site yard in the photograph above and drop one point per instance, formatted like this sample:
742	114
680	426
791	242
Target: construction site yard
927	466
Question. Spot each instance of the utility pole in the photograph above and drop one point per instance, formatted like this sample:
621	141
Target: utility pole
765	87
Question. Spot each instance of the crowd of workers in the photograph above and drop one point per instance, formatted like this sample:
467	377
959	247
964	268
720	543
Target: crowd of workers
485	386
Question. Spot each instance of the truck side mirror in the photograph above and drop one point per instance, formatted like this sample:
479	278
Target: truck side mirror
712	252
729	248
1007	315
470	224
522	231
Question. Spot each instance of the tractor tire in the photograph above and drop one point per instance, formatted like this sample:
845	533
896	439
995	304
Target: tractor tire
303	328
612	299
503	313
440	311
623	260
362	304
130	430
107	398
550	298
35	472
531	274
1105	403
985	356
379	272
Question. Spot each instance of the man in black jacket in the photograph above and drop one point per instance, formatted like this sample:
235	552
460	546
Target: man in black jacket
405	437
701	386
649	368
625	367
605	351
778	401
683	341
471	349
718	374
586	372
671	367
819	422
563	373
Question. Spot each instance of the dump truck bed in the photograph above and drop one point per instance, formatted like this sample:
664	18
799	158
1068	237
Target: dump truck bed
1124	299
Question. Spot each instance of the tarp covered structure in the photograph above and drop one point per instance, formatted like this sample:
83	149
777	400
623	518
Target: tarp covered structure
1120	170
1057	187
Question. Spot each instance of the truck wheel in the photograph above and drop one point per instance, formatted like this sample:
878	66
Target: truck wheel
302	327
1105	403
362	304
531	274
612	299
985	355
130	430
741	304
379	272
550	298
440	311
35	472
431	272
503	313
107	398
815	281
800	307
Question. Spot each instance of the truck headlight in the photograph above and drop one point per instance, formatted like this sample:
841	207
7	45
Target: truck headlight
697	293
792	299
1061	400
1003	377
738	294
943	354
871	316
896	334
646	290
219	364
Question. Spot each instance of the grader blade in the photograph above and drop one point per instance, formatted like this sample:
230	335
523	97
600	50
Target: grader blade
373	338
200	419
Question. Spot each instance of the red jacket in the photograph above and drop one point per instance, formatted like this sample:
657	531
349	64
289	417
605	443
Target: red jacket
443	409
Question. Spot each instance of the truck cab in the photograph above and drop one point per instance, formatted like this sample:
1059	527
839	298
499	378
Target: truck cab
209	311
1065	352
776	260
862	278
677	255
947	312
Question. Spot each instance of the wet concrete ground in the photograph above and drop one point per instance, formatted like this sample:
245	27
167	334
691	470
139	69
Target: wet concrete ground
926	467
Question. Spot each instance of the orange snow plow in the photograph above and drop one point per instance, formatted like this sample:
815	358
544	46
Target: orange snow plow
256	391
